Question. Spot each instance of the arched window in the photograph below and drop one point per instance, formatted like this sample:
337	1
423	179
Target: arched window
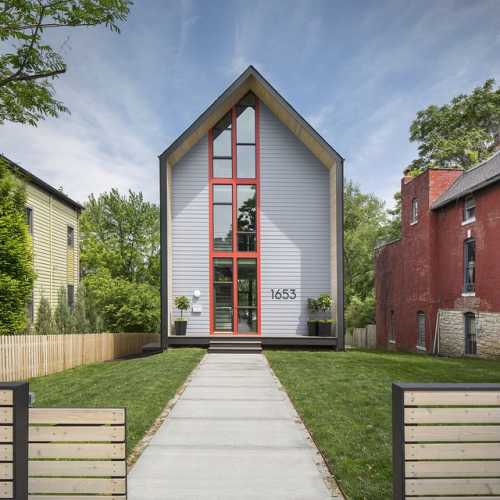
421	329
414	211
470	333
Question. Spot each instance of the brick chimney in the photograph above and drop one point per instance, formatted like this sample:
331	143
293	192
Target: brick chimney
440	180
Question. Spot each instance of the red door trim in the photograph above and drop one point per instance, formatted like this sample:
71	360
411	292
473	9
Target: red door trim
234	254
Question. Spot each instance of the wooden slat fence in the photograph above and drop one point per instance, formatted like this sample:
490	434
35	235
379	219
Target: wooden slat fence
446	441
362	337
26	356
77	452
13	440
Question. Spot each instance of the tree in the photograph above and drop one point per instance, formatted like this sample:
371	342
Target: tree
63	316
120	255
459	134
16	259
393	228
29	66
44	324
121	234
366	222
80	314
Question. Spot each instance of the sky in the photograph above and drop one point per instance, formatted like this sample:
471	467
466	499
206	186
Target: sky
357	70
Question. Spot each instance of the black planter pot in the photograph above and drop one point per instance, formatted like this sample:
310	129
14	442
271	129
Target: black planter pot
312	328
324	329
180	327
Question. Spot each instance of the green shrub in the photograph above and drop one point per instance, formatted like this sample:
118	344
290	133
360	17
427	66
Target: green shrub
44	324
63	316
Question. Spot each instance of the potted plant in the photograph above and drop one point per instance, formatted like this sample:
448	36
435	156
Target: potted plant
181	303
312	323
324	304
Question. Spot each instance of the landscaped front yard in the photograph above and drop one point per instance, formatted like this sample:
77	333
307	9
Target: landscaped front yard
143	385
345	401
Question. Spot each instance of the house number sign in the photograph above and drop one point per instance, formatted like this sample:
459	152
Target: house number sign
283	293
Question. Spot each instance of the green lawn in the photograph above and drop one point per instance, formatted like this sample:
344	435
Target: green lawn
345	401
143	385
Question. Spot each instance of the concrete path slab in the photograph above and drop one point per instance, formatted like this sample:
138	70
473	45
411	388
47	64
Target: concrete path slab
233	434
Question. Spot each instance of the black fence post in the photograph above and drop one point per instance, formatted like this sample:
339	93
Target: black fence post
398	443
14	402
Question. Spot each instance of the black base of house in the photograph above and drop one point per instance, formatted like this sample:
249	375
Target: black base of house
267	341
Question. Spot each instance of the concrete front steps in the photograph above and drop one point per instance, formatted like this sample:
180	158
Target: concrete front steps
235	346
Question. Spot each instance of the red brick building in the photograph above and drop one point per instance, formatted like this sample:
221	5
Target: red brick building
438	287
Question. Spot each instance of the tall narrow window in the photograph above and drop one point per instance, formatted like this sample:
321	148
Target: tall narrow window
469	209
222	148
71	296
470	334
245	138
470	265
414	211
223	215
421	329
223	295
71	237
392	332
247	295
247	218
29	219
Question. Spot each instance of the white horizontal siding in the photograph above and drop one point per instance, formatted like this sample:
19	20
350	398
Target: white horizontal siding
295	226
190	251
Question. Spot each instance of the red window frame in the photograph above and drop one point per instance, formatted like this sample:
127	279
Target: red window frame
234	255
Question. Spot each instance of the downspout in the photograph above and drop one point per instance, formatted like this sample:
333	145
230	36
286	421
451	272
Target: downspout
163	256
340	255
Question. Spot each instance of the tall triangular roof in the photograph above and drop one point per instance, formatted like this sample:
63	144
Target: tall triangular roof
252	80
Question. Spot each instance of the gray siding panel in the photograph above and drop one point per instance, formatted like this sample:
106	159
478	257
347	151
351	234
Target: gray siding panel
190	253
295	226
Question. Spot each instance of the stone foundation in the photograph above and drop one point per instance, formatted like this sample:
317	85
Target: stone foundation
452	333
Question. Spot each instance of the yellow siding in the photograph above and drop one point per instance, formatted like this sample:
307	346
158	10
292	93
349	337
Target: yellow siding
55	265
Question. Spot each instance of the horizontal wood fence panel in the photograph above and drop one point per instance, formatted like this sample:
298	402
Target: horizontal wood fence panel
77	485
6	434
113	433
26	356
483	486
6	398
452	415
452	398
442	498
6	471
111	451
77	453
85	497
6	453
481	468
78	416
6	489
446	441
74	468
450	451
460	433
6	415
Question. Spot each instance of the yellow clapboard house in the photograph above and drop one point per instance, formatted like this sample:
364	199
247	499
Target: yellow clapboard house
53	222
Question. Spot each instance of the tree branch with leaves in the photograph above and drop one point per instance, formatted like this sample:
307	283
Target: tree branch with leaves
28	64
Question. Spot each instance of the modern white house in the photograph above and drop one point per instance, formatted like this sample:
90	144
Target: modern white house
251	222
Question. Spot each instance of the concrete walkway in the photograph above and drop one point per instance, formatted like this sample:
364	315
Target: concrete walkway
232	435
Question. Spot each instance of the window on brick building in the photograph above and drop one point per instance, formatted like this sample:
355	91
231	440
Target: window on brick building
392	331
470	334
469	209
470	265
414	211
421	329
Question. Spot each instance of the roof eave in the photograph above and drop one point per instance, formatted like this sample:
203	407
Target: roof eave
247	75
